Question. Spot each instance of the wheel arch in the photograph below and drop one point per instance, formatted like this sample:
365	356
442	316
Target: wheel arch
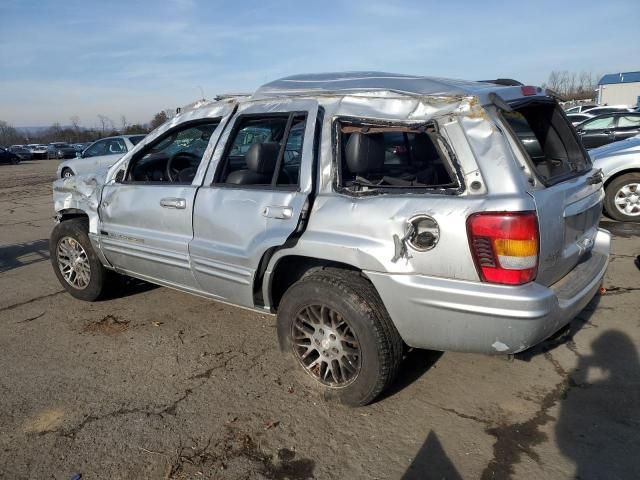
618	174
286	270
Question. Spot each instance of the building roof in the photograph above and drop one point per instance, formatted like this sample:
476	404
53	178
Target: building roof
358	82
622	77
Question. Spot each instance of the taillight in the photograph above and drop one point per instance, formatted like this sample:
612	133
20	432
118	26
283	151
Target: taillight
504	246
528	90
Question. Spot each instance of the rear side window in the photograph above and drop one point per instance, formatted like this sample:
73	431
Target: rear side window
549	141
375	158
135	140
629	121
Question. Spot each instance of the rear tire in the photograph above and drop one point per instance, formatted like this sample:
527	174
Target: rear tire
622	198
334	325
74	261
66	173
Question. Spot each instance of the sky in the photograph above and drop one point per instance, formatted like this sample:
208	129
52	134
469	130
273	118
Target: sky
65	58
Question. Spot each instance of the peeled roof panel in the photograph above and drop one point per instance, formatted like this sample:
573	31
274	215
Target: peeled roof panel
354	82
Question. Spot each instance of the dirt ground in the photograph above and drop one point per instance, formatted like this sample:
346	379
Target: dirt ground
160	384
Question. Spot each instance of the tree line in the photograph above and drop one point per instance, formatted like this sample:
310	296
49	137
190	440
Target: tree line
75	133
572	85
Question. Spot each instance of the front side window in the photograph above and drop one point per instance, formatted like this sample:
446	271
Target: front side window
599	123
97	149
174	157
264	151
376	158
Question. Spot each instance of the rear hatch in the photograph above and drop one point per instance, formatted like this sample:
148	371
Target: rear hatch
568	195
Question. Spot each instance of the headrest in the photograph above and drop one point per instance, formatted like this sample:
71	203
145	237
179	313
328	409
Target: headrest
365	152
262	157
423	149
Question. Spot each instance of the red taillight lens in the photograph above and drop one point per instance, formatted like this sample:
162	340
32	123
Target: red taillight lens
504	246
528	90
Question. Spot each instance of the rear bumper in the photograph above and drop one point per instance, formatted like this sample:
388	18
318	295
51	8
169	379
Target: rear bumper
457	315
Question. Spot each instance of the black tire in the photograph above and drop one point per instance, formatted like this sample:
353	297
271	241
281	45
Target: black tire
610	195
65	171
76	229
356	301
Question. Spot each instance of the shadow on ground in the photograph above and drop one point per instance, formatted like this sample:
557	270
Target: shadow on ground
22	254
599	427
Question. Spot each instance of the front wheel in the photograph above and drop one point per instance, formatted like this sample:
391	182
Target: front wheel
336	328
76	265
67	173
622	198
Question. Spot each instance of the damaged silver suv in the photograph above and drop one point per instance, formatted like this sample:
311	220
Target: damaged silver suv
369	211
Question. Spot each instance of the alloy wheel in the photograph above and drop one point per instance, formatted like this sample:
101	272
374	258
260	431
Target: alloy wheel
326	345
73	263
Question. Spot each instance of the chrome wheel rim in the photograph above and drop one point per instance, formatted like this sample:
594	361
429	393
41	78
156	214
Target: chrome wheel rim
627	199
326	346
73	263
67	174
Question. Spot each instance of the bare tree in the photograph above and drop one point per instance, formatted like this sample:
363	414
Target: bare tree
124	123
570	85
8	134
75	126
105	123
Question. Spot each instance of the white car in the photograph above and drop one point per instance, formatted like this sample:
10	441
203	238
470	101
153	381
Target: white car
100	155
37	151
620	164
595	111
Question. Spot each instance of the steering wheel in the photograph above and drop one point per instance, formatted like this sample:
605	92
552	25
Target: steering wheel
173	172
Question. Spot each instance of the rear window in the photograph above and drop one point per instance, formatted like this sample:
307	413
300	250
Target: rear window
549	141
382	158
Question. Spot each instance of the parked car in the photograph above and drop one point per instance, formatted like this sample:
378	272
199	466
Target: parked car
8	157
608	128
60	150
576	118
468	238
80	147
620	164
99	155
37	151
595	111
23	152
580	108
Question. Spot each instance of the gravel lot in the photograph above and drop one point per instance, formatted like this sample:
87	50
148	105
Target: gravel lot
160	384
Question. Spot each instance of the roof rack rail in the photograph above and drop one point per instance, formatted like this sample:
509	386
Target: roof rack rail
225	96
507	82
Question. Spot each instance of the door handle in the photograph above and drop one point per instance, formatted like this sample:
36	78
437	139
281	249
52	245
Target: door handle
177	203
282	212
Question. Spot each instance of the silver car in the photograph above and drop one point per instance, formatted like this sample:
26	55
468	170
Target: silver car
620	164
100	155
368	211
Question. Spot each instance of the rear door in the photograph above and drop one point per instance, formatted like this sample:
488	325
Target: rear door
568	204
247	207
628	126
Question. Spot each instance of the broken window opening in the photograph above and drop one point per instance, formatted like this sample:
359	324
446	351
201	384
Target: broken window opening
392	157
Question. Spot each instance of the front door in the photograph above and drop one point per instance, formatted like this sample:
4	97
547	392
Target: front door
146	219
597	132
253	196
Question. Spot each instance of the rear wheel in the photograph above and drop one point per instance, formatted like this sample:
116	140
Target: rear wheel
622	198
335	326
67	173
76	265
